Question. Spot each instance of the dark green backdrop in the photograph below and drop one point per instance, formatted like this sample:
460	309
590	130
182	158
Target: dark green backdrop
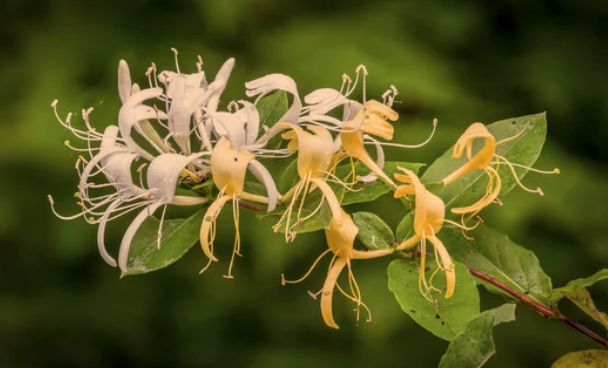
461	62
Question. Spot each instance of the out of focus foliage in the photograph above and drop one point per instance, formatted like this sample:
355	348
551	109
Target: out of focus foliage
466	61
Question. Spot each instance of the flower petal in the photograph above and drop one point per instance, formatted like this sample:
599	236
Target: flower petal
208	222
250	121
331	198
101	230
124	81
219	84
370	178
449	266
163	173
351	108
272	82
322	100
261	173
328	291
125	245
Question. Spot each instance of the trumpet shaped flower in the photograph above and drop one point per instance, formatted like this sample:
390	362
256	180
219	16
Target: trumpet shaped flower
360	123
162	174
114	160
188	95
229	165
485	159
315	148
340	240
429	217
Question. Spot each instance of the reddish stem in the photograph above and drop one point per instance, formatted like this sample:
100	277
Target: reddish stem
542	309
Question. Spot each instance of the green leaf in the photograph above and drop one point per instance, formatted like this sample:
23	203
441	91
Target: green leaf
573	285
271	108
523	150
578	294
583	359
443	317
405	229
367	192
255	188
178	236
472	347
494	254
373	232
289	178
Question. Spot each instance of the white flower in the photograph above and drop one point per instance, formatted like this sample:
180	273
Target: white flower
162	175
188	95
270	83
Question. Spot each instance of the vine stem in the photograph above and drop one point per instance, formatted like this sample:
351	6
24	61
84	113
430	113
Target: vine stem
542	309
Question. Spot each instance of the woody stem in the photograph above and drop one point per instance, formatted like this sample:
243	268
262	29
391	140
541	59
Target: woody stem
540	308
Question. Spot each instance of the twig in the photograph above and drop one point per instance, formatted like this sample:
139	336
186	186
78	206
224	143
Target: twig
248	205
542	309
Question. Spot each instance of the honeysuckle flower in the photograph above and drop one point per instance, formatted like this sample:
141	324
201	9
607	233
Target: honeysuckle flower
114	161
360	123
162	175
270	83
485	159
315	148
229	165
340	240
429	217
187	95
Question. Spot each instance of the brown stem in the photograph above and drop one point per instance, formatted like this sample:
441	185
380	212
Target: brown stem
248	205
542	309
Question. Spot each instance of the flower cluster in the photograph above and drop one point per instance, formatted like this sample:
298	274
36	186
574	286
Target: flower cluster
175	131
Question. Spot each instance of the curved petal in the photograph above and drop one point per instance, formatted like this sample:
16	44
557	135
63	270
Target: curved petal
219	84
124	81
322	100
261	173
163	173
125	245
448	265
328	291
351	108
230	126
332	200
272	82
370	178
207	225
250	121
101	230
132	112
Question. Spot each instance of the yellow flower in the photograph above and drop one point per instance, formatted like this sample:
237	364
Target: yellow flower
371	119
429	217
340	240
228	169
485	159
315	151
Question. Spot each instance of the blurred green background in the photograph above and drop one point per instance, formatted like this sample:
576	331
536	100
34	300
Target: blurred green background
461	62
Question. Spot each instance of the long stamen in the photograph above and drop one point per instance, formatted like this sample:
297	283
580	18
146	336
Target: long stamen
237	238
546	172
284	281
435	122
510	166
176	63
159	235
